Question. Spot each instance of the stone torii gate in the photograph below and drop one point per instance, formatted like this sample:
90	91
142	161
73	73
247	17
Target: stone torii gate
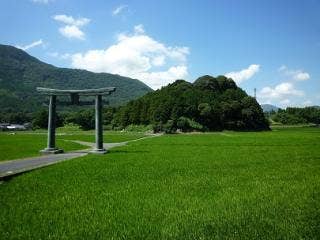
74	95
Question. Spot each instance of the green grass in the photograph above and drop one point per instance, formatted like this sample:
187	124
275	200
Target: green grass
22	145
198	186
302	125
28	144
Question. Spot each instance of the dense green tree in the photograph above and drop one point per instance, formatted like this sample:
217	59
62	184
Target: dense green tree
40	119
212	103
85	118
15	117
108	115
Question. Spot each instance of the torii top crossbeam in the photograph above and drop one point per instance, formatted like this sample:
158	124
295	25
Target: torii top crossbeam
83	92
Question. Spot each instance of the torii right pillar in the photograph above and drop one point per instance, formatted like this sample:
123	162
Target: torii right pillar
99	149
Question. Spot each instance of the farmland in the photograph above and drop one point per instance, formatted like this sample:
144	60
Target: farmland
223	185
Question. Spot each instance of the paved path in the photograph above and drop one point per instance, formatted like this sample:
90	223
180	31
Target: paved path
112	145
14	167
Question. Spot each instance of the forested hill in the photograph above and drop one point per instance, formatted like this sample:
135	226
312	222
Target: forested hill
207	104
21	73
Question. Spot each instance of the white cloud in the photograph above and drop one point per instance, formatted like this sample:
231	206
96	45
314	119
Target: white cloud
119	9
282	68
41	1
138	56
285	102
53	54
138	29
161	78
69	20
280	92
244	74
72	27
297	75
31	45
58	55
301	76
72	31
65	56
158	61
285	93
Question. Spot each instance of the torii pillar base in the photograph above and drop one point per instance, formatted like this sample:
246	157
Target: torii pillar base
51	151
98	151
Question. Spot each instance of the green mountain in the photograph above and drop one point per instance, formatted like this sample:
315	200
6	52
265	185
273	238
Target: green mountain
21	73
207	104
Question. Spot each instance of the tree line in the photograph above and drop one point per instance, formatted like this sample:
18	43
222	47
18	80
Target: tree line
294	115
208	104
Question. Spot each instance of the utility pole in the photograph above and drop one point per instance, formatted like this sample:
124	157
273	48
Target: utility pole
255	93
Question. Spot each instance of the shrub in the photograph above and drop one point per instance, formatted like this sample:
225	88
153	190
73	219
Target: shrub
157	127
138	128
186	125
169	127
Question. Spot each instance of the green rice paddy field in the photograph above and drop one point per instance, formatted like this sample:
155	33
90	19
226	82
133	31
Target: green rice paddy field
227	185
27	144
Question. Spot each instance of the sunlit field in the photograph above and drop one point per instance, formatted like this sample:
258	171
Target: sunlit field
27	144
228	185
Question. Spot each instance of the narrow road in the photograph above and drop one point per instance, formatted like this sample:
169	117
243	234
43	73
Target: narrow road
14	167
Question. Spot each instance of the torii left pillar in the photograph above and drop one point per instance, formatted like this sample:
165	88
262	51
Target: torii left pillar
51	143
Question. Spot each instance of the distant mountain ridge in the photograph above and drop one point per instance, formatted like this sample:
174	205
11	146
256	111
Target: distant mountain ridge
21	73
269	108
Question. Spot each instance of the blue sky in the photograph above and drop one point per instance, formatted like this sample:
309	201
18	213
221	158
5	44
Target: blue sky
270	45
